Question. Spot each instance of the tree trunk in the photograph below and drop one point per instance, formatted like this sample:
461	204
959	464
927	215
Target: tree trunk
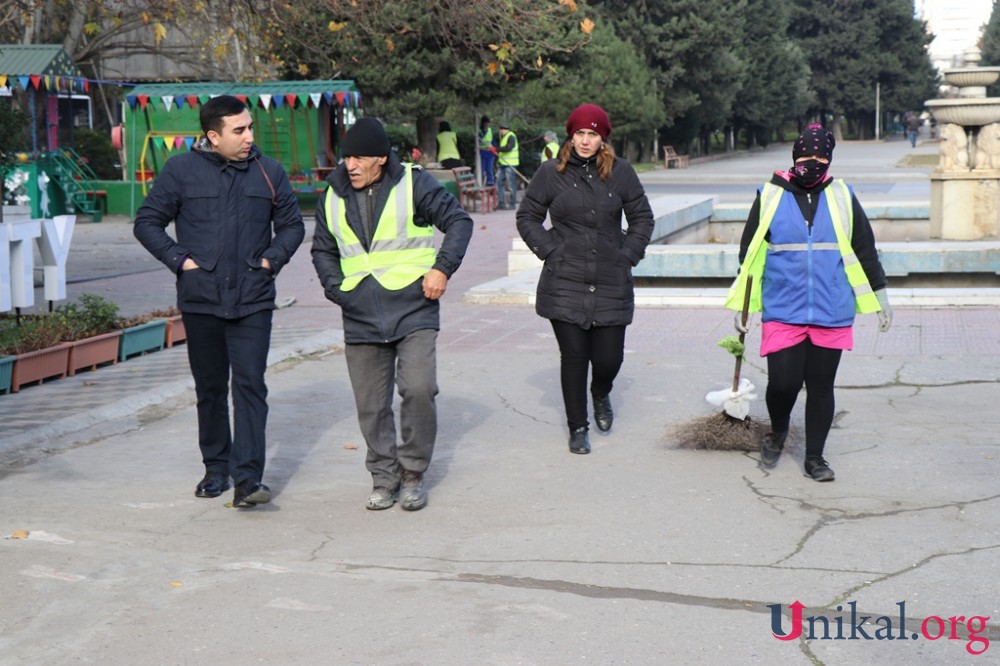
427	137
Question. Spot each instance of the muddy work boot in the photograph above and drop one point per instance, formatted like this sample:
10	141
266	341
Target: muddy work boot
771	448
412	494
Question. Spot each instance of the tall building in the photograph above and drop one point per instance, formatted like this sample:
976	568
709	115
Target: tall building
957	26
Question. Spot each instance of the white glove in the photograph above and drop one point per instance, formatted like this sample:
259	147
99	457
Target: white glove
738	323
885	314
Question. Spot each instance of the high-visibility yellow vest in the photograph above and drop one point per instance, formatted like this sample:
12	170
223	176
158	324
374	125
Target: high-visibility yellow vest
838	198
513	156
447	146
401	252
552	148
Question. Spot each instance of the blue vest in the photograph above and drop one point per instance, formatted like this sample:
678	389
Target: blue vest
804	280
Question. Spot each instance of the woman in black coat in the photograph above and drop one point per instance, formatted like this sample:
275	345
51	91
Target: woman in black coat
586	287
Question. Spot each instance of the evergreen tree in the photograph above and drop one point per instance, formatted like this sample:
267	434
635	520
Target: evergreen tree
990	45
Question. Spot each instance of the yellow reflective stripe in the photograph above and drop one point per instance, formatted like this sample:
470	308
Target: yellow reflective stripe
843	226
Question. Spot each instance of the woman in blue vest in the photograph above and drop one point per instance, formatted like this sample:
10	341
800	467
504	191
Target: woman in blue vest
586	288
811	251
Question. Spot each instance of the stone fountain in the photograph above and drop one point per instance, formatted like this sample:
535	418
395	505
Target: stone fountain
965	187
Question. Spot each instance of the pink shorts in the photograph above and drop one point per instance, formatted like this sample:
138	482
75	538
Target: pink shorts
776	336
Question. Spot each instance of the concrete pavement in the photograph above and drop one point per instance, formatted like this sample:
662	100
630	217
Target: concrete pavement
639	553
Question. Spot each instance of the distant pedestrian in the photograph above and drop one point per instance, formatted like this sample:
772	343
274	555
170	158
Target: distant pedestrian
585	288
237	224
808	282
508	159
447	147
373	249
913	125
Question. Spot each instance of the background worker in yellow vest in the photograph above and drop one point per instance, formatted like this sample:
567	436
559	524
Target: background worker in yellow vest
373	249
447	145
811	251
487	150
551	149
508	159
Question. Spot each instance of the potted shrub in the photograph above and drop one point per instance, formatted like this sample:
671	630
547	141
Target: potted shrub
92	332
175	332
141	334
6	372
37	343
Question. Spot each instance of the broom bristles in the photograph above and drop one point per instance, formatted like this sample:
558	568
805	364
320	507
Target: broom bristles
721	432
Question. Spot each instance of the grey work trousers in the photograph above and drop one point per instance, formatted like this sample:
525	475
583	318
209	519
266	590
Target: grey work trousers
410	363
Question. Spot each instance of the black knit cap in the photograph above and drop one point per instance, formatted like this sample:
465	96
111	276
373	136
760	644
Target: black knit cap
366	138
815	140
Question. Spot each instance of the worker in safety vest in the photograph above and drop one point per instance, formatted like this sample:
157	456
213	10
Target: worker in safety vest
551	149
810	250
487	150
508	159
373	249
447	145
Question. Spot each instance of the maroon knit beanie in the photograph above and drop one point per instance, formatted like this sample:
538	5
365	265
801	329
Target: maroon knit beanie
589	116
815	140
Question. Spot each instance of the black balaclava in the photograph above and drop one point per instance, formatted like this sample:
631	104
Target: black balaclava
814	141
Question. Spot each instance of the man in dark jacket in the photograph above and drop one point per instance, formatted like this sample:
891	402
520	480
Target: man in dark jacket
373	250
237	224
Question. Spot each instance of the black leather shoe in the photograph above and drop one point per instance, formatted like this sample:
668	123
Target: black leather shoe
213	485
579	442
250	493
771	448
603	415
818	469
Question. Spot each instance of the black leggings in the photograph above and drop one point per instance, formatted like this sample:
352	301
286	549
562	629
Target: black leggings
602	347
787	370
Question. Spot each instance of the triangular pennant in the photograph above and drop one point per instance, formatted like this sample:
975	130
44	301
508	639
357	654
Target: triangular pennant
131	100
291	98
242	98
179	101
328	97
192	100
24	82
143	101
178	142
86	85
168	142
188	141
341	97
35	80
315	98
168	101
278	101
3	80
204	98
265	101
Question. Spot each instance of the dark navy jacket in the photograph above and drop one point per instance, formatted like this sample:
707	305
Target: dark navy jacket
227	218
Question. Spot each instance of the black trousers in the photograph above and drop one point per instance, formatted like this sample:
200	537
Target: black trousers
787	371
217	348
601	348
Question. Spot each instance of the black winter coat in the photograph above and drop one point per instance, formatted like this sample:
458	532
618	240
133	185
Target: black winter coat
227	218
372	313
587	276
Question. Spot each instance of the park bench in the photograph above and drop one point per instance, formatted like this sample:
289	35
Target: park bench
670	157
471	194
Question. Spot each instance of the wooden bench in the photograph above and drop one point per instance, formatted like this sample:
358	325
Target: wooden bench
471	194
670	156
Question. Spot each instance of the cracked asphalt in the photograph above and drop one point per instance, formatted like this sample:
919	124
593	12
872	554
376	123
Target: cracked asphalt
640	553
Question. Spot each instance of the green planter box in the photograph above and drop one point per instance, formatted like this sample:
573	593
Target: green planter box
6	370
142	338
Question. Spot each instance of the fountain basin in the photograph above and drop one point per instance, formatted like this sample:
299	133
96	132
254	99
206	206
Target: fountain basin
972	76
970	112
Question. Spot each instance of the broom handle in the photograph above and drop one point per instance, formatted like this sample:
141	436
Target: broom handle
746	314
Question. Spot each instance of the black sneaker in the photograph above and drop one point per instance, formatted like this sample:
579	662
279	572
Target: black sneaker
818	469
249	494
771	448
